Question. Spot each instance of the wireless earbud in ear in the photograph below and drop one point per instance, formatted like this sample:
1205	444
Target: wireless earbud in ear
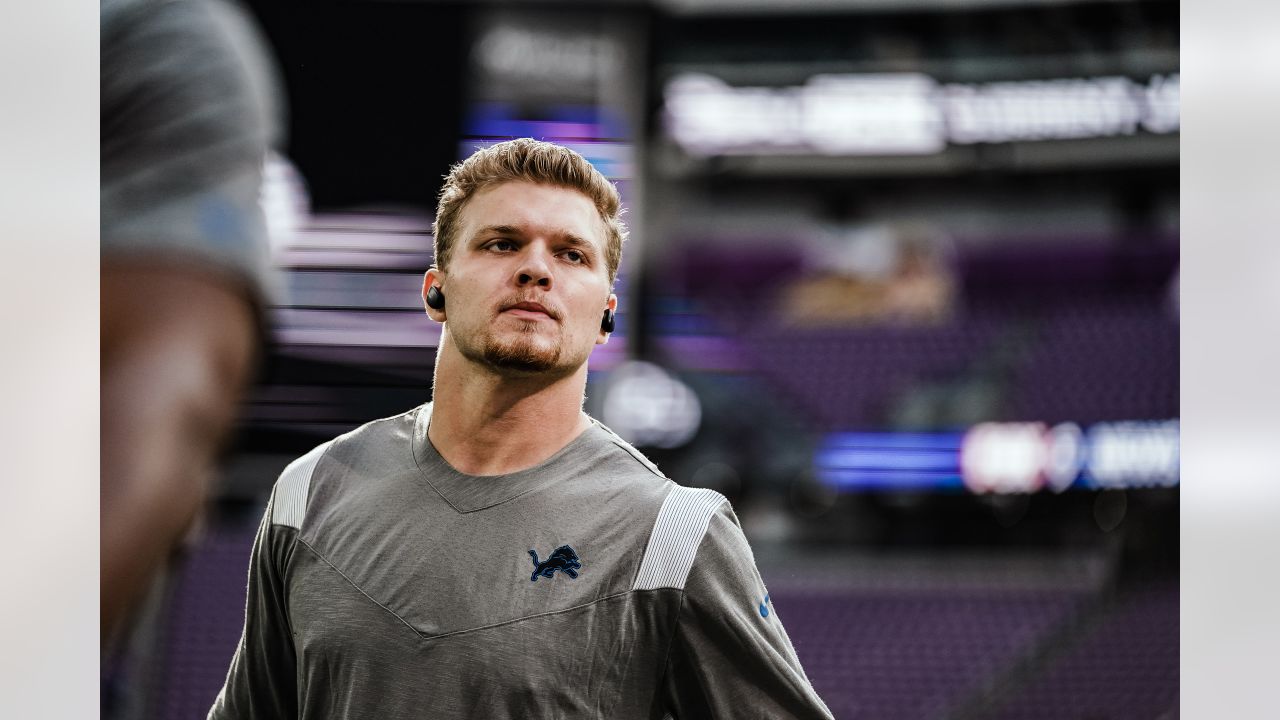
435	298
606	323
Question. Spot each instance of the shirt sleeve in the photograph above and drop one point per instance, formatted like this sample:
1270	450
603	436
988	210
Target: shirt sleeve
730	656
262	681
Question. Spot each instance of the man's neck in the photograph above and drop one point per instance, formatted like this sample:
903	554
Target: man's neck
483	423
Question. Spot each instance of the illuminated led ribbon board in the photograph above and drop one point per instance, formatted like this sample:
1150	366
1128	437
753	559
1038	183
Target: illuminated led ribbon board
1005	458
908	113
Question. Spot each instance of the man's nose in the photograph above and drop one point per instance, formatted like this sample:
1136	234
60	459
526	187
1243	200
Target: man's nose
535	269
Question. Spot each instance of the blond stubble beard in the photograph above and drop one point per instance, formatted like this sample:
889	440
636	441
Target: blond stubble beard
520	357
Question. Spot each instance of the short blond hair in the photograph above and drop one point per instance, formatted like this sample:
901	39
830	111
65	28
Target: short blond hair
529	160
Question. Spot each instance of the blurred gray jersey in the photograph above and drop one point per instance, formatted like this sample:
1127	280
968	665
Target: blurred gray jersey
386	584
190	108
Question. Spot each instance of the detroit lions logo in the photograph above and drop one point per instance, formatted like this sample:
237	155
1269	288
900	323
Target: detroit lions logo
563	559
764	606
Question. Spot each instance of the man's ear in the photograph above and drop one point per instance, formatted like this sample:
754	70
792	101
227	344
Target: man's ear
433	278
611	305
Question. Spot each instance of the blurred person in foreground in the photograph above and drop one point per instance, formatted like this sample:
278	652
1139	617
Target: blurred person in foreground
496	552
188	115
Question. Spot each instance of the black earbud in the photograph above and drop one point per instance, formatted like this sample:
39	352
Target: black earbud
435	298
606	323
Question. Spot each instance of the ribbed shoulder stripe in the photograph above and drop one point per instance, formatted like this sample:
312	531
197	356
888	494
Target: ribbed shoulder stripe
290	504
677	533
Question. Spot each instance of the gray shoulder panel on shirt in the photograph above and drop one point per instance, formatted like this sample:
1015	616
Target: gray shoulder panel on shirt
677	532
617	440
290	503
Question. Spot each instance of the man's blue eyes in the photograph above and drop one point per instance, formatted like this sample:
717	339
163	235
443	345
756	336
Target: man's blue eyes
573	256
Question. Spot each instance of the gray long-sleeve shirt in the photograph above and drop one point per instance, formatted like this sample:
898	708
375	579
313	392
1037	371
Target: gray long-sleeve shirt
386	584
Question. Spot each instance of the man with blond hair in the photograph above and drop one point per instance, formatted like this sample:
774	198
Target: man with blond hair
496	553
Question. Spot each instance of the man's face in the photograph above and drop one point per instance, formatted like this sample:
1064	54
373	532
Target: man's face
527	282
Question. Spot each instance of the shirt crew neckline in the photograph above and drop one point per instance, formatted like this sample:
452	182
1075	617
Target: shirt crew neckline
470	493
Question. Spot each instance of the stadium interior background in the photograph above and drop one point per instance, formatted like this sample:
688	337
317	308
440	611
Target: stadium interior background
902	283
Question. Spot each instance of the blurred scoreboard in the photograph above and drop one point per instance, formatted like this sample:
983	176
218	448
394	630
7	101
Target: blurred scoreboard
909	113
1018	457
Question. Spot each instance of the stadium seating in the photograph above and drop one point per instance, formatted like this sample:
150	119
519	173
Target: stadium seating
204	619
1125	667
914	654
